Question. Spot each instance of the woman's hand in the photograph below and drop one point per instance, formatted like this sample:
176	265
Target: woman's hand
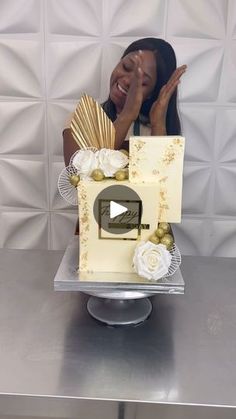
134	97
159	108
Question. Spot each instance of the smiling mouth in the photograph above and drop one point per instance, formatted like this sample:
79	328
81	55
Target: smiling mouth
121	89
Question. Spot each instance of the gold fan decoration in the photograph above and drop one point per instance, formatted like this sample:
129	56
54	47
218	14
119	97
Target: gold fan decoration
90	125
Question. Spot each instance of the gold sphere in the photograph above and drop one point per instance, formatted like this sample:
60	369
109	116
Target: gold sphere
74	180
167	241
159	232
126	173
154	239
165	227
97	174
120	175
169	236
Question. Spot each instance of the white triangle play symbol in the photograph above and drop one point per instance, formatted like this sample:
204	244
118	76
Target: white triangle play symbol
116	209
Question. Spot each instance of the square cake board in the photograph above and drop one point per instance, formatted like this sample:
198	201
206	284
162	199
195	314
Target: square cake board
120	286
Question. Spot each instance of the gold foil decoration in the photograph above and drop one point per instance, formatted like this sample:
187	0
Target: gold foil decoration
90	125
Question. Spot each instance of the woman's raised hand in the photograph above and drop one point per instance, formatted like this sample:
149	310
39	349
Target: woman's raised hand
159	108
134	97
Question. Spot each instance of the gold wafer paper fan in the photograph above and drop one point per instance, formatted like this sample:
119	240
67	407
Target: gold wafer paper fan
90	125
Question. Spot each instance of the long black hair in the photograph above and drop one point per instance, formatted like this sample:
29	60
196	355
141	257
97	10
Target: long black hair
166	65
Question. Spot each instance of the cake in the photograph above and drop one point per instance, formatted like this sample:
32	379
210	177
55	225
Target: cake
155	175
134	243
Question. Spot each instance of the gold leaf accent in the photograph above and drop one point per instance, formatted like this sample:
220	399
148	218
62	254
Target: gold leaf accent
90	126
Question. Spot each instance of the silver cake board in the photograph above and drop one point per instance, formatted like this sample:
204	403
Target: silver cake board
113	303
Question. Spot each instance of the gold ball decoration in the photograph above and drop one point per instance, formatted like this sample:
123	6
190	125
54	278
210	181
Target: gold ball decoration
120	175
169	236
126	173
159	232
98	175
165	227
168	241
154	239
74	180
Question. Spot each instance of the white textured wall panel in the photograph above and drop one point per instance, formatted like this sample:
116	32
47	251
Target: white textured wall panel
20	16
230	73
23	184
52	51
226	135
73	68
204	61
62	228
198	19
225	191
136	18
198	146
21	68
57	113
196	189
24	230
17	135
81	18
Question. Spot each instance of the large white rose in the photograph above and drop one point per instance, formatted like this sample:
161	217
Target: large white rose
151	260
85	161
109	161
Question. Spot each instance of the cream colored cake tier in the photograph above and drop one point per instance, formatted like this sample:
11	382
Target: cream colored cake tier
160	159
155	175
101	251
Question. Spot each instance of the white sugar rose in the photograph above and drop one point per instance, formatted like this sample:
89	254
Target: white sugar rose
151	260
109	161
85	161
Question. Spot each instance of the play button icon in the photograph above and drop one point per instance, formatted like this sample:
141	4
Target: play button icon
116	209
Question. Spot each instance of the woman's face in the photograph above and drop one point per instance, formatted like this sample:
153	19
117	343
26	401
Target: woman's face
123	74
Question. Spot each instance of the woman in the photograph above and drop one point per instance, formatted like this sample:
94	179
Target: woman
143	92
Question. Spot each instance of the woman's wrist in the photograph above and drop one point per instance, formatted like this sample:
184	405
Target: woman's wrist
158	129
125	118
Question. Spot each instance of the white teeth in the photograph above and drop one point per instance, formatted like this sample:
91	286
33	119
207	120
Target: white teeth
121	89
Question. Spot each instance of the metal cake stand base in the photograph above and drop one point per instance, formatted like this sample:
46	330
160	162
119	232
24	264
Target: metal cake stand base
115	312
115	304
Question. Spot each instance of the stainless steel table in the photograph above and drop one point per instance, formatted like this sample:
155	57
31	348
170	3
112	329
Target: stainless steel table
57	362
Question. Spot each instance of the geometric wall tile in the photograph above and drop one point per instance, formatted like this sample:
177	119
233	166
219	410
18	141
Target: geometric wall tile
22	64
226	135
24	230
190	236
83	17
23	184
201	19
148	21
232	19
223	240
20	16
19	135
62	229
1	229
196	186
56	201
199	136
74	68
58	114
225	191
204	61
229	87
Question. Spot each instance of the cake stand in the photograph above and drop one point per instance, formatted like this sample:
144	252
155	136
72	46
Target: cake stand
113	303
